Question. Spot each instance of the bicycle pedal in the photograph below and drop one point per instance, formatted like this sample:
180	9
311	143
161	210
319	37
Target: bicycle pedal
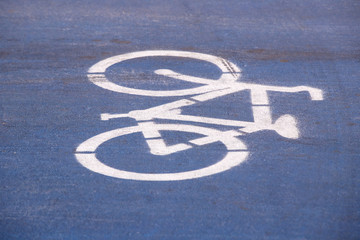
286	126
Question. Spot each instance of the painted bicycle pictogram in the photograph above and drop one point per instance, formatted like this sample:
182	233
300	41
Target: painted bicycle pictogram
228	83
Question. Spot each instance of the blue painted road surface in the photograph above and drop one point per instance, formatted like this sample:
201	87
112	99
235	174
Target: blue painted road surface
180	119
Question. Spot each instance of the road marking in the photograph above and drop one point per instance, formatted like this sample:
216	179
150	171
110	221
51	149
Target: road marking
97	76
231	159
286	125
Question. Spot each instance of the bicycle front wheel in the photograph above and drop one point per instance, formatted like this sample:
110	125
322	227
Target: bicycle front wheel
96	73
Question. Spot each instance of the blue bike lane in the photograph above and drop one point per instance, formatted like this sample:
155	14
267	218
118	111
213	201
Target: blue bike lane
305	188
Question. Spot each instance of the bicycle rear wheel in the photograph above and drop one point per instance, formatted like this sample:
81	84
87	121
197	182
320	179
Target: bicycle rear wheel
237	153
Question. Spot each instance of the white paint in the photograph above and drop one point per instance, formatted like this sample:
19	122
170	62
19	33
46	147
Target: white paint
285	126
97	76
156	144
259	96
236	145
262	115
85	154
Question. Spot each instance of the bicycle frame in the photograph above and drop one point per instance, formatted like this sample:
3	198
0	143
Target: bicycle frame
284	126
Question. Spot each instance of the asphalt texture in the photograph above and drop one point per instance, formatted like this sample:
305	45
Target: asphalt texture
305	188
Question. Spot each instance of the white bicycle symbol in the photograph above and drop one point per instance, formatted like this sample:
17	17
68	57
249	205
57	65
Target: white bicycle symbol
210	89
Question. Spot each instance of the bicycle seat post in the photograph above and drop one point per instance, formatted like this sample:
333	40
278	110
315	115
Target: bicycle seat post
260	106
